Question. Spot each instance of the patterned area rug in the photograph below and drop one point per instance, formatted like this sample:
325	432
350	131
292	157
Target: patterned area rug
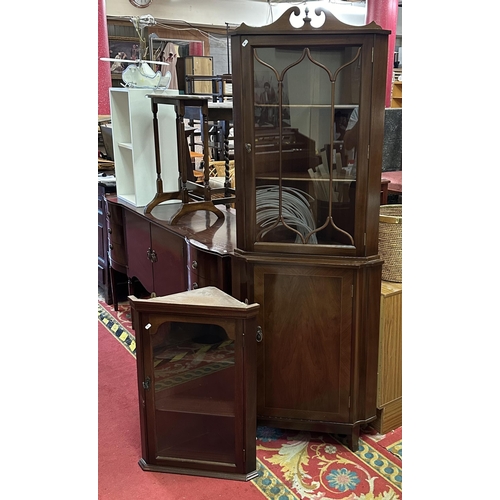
295	465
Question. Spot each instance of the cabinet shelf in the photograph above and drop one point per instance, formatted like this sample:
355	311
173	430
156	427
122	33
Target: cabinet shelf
303	178
214	408
308	106
133	145
397	94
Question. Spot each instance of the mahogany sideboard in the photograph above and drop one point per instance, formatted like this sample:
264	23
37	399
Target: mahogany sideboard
170	258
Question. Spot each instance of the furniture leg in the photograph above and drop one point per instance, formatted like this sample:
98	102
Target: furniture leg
353	439
114	292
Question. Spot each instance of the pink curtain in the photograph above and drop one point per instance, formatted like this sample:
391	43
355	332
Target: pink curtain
103	68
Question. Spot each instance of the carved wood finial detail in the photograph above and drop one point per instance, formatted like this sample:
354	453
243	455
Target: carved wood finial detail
330	24
307	19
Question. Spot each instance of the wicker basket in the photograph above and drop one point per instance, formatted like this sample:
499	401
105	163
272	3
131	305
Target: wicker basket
218	168
390	242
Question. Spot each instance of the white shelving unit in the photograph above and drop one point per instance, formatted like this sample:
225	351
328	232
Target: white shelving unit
133	145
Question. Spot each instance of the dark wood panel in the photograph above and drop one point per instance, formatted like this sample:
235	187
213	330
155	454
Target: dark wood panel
305	355
198	236
169	268
103	273
116	237
208	269
138	238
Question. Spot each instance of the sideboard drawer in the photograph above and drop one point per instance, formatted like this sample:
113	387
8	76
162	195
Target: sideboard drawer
207	269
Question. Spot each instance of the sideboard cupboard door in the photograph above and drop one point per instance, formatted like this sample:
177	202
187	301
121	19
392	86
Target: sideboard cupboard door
156	256
169	267
304	355
138	238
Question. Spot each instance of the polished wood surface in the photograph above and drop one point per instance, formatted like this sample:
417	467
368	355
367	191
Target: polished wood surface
390	380
390	384
194	197
169	258
304	357
320	303
117	249
211	234
199	421
103	273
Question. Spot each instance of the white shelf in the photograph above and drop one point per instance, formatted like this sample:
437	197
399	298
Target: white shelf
133	146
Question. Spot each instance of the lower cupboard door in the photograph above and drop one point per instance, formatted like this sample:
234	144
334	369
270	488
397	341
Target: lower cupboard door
304	357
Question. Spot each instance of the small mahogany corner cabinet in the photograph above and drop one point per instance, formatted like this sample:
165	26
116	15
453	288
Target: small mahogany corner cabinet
196	380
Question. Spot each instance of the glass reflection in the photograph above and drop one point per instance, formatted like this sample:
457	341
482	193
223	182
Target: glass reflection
306	107
194	391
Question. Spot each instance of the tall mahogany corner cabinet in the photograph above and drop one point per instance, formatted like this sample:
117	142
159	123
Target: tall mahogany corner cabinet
308	110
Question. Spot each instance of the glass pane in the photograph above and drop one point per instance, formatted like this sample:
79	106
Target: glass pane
306	105
194	392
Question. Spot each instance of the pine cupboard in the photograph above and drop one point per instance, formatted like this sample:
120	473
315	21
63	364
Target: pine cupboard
308	176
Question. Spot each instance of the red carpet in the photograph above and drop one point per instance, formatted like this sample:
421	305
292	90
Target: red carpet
291	465
120	477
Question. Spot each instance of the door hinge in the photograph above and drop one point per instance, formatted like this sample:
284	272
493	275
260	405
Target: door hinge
368	152
373	51
349	402
352	291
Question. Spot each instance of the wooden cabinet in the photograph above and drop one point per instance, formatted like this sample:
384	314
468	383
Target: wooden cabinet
196	382
397	94
195	65
308	197
103	272
207	268
133	145
168	258
117	251
390	381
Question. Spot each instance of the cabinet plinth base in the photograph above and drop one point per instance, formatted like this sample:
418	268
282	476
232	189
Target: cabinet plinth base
389	416
351	431
197	472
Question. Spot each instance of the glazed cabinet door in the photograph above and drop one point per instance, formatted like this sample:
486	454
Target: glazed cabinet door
304	352
310	165
189	374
